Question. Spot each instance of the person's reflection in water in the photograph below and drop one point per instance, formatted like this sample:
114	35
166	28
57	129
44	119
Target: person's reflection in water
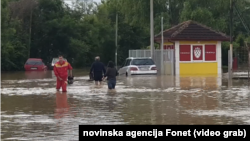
62	106
110	103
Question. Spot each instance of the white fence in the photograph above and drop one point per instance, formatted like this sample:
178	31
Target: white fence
168	59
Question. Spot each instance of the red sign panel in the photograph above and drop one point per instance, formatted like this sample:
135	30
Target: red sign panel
210	52
185	52
197	53
168	47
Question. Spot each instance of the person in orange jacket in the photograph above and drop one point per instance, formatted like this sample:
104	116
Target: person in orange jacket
61	72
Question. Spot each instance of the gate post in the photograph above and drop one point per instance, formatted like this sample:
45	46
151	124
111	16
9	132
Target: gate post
229	65
248	67
172	61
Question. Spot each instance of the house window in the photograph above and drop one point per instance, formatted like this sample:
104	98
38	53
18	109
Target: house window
185	52
210	52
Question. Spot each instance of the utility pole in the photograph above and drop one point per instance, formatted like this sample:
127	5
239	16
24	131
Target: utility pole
231	40
31	11
116	34
152	28
169	12
162	42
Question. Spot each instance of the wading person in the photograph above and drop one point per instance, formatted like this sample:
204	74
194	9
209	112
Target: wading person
111	74
98	70
61	72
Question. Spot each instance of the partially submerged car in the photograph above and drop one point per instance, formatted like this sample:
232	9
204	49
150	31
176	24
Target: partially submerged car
35	64
138	66
54	60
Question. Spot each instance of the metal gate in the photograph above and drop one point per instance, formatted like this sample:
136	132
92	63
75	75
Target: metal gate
168	66
238	63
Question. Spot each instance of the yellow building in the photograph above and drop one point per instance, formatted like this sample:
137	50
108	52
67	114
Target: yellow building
197	49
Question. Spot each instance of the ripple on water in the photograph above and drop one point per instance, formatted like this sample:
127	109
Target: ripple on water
76	90
62	128
97	107
243	115
235	96
27	91
39	80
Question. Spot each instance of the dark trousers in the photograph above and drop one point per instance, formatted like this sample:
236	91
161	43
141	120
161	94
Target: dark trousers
111	84
98	76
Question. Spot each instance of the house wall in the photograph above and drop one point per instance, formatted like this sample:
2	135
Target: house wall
201	67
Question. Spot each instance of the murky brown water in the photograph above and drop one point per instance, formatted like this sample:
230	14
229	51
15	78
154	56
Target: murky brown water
31	109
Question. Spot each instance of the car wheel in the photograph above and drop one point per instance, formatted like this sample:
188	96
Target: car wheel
126	74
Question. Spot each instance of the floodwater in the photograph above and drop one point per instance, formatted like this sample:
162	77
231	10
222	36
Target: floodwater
31	109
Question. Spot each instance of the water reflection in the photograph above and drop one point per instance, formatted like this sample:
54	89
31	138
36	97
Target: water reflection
207	95
150	81
37	74
230	83
62	105
205	83
248	99
12	75
111	103
32	109
199	101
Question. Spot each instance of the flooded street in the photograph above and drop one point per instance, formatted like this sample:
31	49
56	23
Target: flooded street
31	109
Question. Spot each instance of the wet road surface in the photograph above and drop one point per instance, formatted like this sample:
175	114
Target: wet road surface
31	109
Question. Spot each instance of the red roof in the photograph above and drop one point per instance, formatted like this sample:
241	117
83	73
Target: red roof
191	31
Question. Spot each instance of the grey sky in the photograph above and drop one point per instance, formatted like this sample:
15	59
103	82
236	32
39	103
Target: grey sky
97	0
69	1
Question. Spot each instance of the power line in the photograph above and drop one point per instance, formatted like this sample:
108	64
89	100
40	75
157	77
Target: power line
241	19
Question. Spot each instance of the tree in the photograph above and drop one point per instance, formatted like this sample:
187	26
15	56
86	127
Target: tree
83	30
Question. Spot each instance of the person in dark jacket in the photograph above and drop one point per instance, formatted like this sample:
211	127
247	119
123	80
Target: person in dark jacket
98	70
111	74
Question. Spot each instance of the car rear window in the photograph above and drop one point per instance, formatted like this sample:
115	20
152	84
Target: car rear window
34	62
56	60
142	62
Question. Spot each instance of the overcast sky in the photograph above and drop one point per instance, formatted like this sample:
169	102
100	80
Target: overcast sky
69	1
97	0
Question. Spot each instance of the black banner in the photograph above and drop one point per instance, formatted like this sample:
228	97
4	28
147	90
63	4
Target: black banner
164	131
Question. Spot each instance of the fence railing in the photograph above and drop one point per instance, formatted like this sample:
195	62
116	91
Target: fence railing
240	63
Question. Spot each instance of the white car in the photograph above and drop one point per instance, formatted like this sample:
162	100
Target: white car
54	60
138	66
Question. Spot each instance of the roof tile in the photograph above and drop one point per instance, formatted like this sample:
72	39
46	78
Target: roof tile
191	30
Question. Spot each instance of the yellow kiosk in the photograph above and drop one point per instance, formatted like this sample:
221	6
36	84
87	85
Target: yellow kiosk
197	48
197	54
